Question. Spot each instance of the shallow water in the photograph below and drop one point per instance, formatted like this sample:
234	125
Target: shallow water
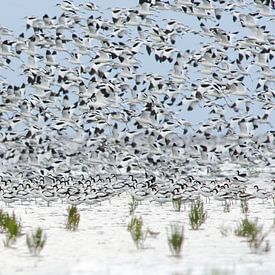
102	245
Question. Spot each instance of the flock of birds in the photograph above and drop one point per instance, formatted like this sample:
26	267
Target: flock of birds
103	101
162	189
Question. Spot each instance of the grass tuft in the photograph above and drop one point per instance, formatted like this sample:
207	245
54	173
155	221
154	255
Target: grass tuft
197	215
177	203
11	226
175	235
253	232
247	228
36	241
135	227
73	218
133	204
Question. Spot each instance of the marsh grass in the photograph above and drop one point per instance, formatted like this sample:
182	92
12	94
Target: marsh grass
197	215
177	203
36	241
247	228
253	232
244	206
11	226
138	234
133	204
175	236
73	218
